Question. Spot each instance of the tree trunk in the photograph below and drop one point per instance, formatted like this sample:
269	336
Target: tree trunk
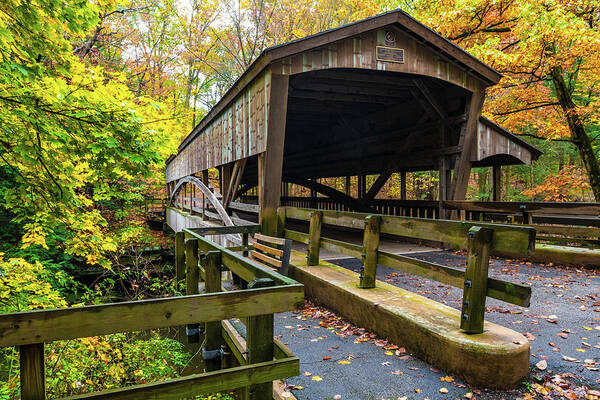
580	138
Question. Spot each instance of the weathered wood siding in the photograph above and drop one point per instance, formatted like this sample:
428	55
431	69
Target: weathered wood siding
360	52
490	142
239	131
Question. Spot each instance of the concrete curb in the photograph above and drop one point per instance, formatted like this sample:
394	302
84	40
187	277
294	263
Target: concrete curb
497	358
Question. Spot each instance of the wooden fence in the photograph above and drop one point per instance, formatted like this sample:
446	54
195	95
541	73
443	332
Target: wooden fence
407	208
572	224
263	360
479	238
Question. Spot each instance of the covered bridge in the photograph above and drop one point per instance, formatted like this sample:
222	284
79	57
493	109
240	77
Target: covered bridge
378	96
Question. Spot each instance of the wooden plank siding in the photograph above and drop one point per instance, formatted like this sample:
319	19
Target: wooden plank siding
359	53
237	126
492	140
238	132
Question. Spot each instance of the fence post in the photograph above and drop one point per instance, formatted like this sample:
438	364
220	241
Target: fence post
211	349
31	358
369	256
281	222
259	341
179	257
314	242
192	275
476	276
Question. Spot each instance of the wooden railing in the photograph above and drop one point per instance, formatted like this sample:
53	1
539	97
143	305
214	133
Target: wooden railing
268	292
406	208
572	224
480	239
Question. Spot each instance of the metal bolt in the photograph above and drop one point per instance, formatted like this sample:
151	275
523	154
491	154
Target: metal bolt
468	283
465	317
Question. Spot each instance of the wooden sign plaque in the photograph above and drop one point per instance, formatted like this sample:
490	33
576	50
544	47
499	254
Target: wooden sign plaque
389	54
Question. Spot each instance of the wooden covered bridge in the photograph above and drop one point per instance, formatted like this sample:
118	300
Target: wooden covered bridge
379	96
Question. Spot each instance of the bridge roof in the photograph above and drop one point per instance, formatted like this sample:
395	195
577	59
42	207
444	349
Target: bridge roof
398	18
384	92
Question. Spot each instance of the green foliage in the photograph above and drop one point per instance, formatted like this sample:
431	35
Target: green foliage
73	135
101	362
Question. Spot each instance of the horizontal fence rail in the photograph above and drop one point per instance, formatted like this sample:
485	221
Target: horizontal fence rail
480	239
267	292
557	223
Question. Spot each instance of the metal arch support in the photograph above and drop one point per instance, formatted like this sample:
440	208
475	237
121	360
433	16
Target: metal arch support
207	193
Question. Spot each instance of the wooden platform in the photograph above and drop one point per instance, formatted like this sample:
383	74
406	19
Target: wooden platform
497	358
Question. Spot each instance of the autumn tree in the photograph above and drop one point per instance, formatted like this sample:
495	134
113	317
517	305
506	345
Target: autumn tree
73	134
549	53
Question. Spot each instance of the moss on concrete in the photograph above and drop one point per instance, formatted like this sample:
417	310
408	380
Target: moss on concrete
496	358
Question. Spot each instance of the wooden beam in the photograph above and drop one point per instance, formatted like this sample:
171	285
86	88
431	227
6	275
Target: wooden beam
431	99
189	387
33	374
69	323
378	184
462	168
497	183
272	162
259	331
403	185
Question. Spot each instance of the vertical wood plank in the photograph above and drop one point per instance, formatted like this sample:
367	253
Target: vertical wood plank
497	182
32	372
369	256
403	185
347	186
314	243
192	276
476	276
211	262
273	156
467	143
259	340
179	257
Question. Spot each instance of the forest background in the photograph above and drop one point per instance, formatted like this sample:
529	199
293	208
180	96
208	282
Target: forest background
95	95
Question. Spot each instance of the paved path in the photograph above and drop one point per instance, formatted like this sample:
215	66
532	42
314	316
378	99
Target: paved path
564	320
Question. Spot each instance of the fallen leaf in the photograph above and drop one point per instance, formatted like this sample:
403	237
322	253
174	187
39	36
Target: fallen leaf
343	362
397	372
326	358
417	390
447	379
542	365
317	378
443	390
571	359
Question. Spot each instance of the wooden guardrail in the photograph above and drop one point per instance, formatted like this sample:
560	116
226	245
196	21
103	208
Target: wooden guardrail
268	292
480	239
202	259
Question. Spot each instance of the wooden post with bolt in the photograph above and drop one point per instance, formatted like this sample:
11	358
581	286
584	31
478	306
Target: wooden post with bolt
314	238
476	277
369	255
192	277
211	349
260	345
